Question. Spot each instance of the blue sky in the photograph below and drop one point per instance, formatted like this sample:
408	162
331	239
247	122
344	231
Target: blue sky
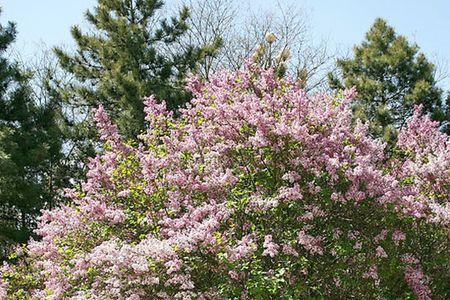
342	23
43	22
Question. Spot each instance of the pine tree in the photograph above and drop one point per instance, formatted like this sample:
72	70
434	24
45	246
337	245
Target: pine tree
132	52
391	76
30	150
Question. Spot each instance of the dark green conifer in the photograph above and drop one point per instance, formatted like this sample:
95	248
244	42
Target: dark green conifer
391	76
30	150
131	52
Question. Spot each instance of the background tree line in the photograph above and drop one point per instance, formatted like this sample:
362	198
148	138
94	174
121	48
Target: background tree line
137	48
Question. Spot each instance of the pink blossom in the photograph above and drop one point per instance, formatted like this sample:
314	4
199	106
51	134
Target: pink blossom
398	236
244	248
372	273
289	250
270	248
233	274
380	252
418	282
311	243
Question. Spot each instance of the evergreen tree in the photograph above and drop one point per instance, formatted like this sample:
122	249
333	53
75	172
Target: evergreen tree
391	76
30	149
132	52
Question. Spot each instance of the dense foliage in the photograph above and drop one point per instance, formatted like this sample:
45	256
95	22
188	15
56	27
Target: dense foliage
257	191
391	77
30	146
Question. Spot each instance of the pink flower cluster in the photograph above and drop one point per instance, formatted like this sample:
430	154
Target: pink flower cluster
418	282
255	189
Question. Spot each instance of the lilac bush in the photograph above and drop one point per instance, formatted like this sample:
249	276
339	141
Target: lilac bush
257	191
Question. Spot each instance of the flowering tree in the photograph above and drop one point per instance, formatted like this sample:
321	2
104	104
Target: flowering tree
257	191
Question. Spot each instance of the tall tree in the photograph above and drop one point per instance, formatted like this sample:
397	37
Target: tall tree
30	147
391	76
132	52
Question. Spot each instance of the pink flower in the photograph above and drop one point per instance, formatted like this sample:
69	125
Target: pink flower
233	275
3	289
289	250
245	247
380	252
372	273
398	236
357	246
270	248
381	236
417	282
311	243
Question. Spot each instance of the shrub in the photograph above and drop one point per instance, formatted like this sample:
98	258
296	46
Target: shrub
256	191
